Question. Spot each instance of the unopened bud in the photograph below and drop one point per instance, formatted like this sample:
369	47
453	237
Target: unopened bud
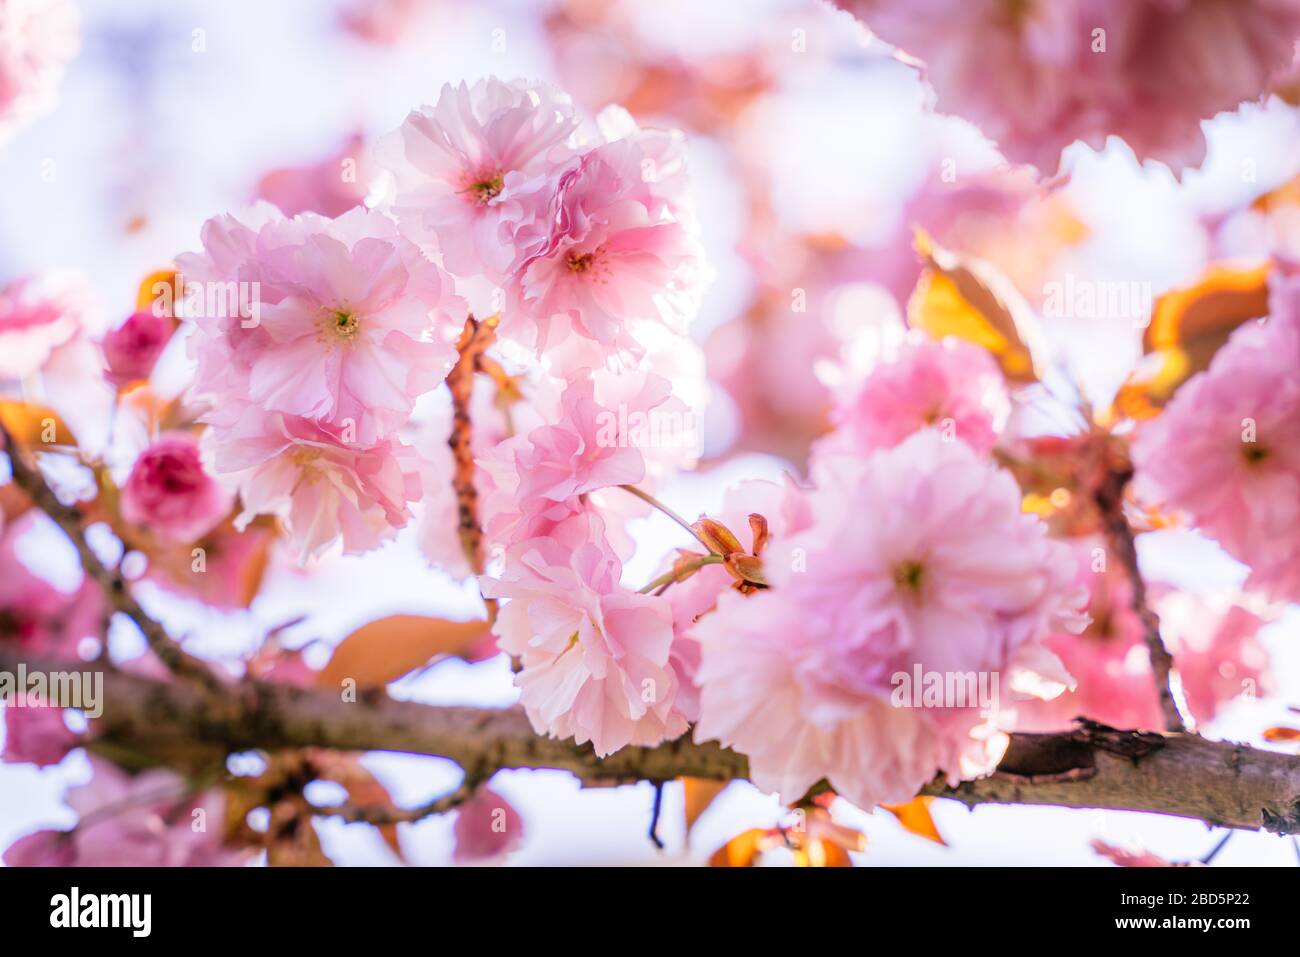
746	568
717	537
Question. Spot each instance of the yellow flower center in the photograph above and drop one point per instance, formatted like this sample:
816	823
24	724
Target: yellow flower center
487	189
908	575
343	323
578	263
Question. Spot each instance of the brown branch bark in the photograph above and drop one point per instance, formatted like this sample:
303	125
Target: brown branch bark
474	341
1119	535
1181	774
117	592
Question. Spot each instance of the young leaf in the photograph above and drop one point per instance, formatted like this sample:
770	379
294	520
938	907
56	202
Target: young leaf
385	650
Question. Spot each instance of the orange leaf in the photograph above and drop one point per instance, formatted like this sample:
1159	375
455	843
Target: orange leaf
1282	735
967	298
164	285
820	853
743	849
699	795
1187	327
915	818
35	426
389	648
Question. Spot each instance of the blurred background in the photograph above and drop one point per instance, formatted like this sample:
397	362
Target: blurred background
813	157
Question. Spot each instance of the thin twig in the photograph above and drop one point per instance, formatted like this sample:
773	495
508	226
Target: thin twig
1119	535
116	591
678	572
651	500
380	816
655	839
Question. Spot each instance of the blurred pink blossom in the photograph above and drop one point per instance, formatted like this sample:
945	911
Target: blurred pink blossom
36	734
132	349
169	492
1148	71
37	39
487	829
1224	450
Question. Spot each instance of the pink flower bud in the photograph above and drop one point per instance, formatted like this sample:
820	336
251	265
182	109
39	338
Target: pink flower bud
169	492
133	348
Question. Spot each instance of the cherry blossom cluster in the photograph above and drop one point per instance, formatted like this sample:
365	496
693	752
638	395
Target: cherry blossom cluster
37	39
1036	77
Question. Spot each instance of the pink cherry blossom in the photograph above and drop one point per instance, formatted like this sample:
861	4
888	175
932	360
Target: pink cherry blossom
169	492
1214	641
354	322
918	557
487	829
33	613
132	349
1035	77
1224	450
41	849
36	734
605	429
951	385
329	187
595	655
1212	638
150	819
39	314
37	39
1133	857
324	487
233	564
471	169
612	254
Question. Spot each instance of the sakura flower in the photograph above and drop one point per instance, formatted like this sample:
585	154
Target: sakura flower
38	315
325	488
606	427
231	568
33	613
151	819
595	656
477	164
330	187
487	828
951	384
169	493
612	255
36	734
356	329
133	348
40	849
1224	450
1084	69
37	39
1108	659
1135	857
1212	639
918	559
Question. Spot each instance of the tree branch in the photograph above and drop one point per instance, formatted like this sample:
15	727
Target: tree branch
1093	766
110	581
1119	535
